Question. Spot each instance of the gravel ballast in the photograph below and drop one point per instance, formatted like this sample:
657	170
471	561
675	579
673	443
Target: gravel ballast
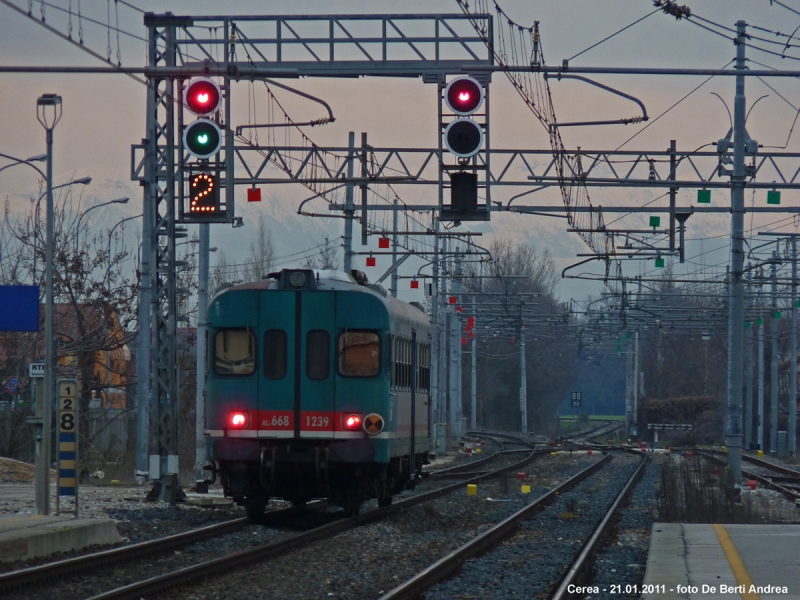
532	562
370	560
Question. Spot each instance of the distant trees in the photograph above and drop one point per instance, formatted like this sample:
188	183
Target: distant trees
518	274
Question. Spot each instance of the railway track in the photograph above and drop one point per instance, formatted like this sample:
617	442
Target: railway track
448	565
786	483
22	578
19	580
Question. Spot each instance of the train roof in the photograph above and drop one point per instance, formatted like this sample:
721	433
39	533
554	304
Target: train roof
330	280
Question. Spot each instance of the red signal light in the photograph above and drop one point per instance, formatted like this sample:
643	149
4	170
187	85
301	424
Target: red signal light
352	422
202	96
463	95
237	420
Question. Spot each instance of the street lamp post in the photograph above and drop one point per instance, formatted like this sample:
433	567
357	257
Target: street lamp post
87	211
48	113
110	235
82	181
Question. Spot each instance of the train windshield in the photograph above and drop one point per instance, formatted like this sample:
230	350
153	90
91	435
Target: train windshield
359	354
234	352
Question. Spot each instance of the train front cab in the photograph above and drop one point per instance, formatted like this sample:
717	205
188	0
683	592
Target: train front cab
315	418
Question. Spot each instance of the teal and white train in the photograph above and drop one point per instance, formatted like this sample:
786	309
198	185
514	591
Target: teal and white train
318	387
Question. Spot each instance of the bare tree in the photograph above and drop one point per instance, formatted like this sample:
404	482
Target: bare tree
326	258
94	291
259	261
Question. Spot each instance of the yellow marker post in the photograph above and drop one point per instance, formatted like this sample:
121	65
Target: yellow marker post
472	489
526	489
478	450
554	454
760	453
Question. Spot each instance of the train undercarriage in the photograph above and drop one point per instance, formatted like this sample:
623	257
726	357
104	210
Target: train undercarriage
344	472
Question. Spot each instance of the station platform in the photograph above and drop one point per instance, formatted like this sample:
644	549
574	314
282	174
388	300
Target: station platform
24	537
698	561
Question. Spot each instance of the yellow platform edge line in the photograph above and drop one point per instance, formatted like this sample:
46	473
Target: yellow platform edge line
736	562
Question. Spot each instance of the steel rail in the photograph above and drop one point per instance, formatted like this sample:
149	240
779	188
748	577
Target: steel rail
771	466
33	575
467	466
762	479
508	436
202	570
465	469
443	568
583	561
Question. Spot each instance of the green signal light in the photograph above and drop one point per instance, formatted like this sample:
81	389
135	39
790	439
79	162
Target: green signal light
202	138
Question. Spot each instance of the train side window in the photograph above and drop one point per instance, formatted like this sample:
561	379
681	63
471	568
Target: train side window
424	362
398	361
409	346
275	354
359	354
318	354
389	361
234	352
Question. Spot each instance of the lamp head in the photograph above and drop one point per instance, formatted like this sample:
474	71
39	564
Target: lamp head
37	158
83	180
121	200
48	110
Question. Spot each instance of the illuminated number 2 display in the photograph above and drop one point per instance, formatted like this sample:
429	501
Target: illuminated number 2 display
203	194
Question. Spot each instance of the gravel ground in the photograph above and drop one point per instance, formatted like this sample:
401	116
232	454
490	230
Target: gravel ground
365	562
623	560
529	564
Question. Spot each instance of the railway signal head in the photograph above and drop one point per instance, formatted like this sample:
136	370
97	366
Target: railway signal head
202	96
463	95
202	138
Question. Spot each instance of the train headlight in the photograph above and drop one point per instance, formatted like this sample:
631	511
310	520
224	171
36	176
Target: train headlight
238	420
297	279
352	422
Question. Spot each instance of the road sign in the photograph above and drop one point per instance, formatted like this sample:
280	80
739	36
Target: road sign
576	399
12	385
19	308
36	370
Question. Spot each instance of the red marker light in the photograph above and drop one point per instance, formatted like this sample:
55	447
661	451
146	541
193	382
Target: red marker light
202	96
464	95
238	420
352	422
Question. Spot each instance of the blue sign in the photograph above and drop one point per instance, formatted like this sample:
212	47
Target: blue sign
19	308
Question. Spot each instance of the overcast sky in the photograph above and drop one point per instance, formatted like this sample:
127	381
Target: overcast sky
104	114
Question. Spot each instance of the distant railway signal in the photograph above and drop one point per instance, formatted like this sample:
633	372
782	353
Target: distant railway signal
464	137
202	96
202	138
